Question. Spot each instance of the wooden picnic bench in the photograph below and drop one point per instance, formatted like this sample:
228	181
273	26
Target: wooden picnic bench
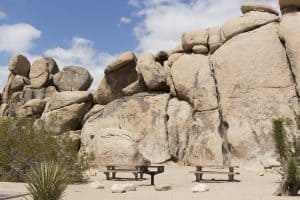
114	169
215	169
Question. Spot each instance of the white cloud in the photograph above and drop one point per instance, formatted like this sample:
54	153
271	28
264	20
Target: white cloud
2	15
164	21
125	20
17	37
3	76
82	53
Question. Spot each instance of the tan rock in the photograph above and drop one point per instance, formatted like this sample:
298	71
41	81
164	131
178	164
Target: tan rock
163	187
215	40
248	22
123	60
39	73
19	65
192	38
258	6
152	72
31	93
62	99
200	49
173	58
18	83
289	5
134	88
34	107
254	90
114	82
126	114
73	78
289	31
193	81
7	88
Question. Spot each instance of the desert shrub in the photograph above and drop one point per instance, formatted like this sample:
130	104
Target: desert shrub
292	171
22	146
279	136
47	181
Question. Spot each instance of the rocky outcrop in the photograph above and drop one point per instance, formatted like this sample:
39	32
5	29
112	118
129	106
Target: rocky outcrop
19	65
152	73
247	22
193	81
126	114
121	79
246	85
291	40
73	78
210	100
258	6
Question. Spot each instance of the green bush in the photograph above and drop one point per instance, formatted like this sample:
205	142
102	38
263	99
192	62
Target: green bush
48	181
279	136
292	171
22	147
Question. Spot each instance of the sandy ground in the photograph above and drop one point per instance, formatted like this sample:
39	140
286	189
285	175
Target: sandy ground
252	186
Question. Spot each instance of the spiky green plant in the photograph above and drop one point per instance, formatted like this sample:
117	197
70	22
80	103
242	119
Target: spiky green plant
280	140
292	171
48	181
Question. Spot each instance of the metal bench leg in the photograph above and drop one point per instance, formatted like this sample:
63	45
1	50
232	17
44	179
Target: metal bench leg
114	175
231	176
152	179
198	177
141	175
107	175
136	176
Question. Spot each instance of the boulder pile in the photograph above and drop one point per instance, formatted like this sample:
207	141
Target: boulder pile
210	100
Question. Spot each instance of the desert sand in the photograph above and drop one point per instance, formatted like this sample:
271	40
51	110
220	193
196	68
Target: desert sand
252	186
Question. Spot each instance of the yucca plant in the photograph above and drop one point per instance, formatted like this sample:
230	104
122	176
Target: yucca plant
48	181
280	140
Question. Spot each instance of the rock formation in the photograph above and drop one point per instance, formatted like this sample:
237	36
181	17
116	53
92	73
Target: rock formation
210	100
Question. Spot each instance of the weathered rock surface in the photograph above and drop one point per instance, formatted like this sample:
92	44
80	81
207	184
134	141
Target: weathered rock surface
173	58
127	58
247	22
258	6
193	81
18	83
121	82
192	38
73	78
40	72
96	185
126	114
31	93
214	40
291	39
163	187
246	85
152	72
200	188
19	65
34	107
201	49
289	5
118	188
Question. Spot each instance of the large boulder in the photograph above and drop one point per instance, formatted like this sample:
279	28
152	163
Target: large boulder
289	31
18	83
126	114
123	60
245	23
121	79
255	87
193	81
40	72
19	65
32	108
192	38
113	145
205	144
289	5
258	6
29	93
152	72
66	110
214	40
73	78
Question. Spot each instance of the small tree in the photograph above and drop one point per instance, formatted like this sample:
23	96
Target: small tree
291	180
48	181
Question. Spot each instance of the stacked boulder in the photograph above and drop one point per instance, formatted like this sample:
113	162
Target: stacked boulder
210	100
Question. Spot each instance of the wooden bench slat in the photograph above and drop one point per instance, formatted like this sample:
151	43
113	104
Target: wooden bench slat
217	166
212	172
121	171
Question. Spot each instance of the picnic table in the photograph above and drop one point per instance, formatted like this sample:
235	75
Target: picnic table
215	169
112	170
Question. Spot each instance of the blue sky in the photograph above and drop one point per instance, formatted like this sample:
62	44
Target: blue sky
91	33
